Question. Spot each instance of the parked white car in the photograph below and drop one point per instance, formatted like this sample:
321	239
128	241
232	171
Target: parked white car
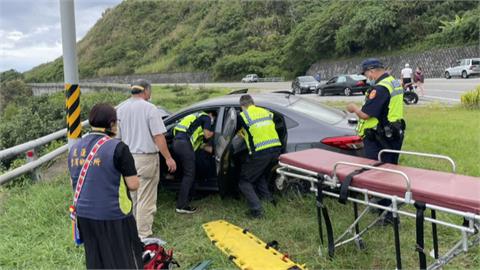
464	68
250	78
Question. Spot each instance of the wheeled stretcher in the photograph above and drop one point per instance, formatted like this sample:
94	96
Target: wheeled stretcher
363	181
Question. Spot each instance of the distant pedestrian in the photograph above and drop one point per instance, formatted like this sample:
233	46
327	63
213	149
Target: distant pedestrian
318	77
419	79
406	75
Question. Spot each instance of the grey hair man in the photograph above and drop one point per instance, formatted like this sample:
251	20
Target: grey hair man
141	127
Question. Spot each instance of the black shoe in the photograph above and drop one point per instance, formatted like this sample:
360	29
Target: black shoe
255	214
186	210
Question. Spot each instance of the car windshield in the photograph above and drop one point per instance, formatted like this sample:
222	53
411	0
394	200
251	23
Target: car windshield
358	77
307	79
317	111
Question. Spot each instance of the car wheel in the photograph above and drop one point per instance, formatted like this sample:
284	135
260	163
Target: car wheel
321	92
447	75
464	74
347	91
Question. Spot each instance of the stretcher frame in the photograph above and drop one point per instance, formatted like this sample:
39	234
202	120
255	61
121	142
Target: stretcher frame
469	234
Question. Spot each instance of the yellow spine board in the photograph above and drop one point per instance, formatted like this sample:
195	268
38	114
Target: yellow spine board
244	249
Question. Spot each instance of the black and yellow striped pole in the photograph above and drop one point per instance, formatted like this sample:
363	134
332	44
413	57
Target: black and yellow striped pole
74	126
70	71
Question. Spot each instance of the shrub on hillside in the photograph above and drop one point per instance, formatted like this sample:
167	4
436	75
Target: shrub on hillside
471	99
10	75
12	91
38	116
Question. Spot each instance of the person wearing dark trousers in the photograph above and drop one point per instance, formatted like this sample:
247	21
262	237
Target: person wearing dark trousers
258	130
102	171
189	135
381	124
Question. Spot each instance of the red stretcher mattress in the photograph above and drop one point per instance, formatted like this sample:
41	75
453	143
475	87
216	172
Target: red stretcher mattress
458	192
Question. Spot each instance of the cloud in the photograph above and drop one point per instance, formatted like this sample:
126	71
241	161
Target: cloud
30	31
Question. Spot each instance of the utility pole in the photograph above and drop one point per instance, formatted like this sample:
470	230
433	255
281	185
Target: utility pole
70	71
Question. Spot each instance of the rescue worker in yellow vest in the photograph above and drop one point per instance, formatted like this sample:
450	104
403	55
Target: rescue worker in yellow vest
381	124
258	130
189	134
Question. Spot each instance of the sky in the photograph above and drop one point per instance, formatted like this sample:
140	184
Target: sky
30	31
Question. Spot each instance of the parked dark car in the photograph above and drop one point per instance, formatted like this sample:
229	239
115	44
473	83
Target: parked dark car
301	124
344	85
305	84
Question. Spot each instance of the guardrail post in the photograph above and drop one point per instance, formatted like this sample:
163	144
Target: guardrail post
32	156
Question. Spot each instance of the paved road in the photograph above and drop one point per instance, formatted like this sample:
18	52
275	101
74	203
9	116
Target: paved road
435	89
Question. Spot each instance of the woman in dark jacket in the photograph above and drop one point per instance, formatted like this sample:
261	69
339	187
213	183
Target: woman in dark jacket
103	206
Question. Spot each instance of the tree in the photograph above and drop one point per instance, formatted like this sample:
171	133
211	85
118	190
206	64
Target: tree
10	75
12	91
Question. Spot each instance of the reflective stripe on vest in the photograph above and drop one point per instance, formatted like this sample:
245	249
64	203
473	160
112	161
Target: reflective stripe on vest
196	138
261	127
395	105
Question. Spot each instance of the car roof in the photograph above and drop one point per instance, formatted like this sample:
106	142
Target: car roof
278	99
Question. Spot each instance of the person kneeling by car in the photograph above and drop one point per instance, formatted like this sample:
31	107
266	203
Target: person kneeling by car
189	135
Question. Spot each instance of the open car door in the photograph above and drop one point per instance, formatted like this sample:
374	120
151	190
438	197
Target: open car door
226	183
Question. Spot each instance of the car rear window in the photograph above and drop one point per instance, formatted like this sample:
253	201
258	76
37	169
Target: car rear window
358	77
307	79
317	111
475	62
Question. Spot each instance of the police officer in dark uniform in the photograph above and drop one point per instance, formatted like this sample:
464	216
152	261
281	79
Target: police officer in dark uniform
381	123
258	130
190	133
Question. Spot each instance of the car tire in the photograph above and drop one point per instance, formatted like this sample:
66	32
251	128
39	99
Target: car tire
320	92
447	75
464	74
347	92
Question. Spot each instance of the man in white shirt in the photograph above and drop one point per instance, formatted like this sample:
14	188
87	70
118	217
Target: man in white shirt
141	127
406	75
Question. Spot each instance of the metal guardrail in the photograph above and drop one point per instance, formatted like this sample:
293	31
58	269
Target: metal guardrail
24	147
31	166
271	79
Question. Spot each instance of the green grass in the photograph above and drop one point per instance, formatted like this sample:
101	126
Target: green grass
35	227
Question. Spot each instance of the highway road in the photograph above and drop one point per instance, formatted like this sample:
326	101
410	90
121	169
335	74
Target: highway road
442	90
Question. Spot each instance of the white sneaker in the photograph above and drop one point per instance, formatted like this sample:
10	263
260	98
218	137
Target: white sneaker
186	210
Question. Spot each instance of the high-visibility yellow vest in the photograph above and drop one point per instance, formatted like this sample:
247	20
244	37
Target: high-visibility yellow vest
261	127
197	136
395	106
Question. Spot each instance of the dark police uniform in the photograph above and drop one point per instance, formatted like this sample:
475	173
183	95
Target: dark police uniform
264	147
188	138
104	208
384	135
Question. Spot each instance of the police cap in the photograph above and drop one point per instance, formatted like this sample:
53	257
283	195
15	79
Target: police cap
371	63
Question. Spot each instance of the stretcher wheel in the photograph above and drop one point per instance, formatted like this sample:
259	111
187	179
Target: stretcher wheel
360	244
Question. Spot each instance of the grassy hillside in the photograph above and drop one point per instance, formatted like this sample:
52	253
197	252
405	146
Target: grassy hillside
271	38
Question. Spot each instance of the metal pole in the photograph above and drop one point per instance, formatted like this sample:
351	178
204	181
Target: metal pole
70	70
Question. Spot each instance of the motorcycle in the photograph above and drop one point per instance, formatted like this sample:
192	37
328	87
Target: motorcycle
409	95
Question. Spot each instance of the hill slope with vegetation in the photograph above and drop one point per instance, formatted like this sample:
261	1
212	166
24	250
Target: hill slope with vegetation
271	38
